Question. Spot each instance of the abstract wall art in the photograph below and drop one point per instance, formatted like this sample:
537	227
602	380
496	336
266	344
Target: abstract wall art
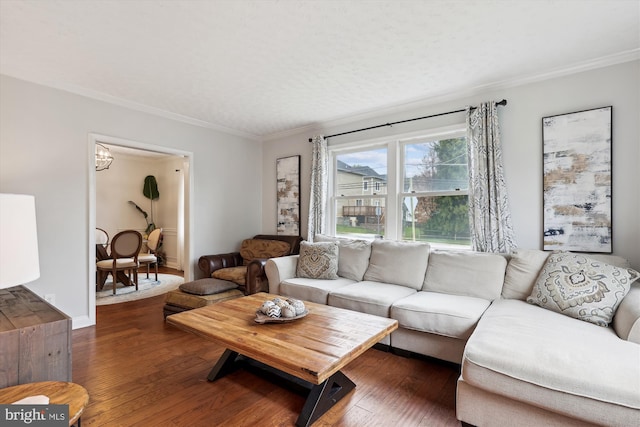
288	200
577	181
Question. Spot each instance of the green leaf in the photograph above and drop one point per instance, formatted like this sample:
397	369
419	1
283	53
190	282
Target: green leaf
140	209
150	189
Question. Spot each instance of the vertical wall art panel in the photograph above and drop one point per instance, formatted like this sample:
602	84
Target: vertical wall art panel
288	185
577	181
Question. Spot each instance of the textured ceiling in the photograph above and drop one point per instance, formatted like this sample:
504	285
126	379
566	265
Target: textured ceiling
265	67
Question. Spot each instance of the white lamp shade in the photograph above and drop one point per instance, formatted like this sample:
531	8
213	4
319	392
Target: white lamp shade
19	263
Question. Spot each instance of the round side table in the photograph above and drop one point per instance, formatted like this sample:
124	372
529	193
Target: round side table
58	392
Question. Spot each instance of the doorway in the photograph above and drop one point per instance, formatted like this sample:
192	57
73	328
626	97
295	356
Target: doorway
119	184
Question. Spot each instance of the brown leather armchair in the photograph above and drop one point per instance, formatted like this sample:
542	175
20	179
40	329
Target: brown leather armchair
248	270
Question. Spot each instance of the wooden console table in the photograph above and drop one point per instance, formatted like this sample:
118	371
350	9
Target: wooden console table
35	339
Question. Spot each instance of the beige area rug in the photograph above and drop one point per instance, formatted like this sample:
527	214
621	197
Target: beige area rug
146	288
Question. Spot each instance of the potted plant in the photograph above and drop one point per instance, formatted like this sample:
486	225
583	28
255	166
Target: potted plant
150	191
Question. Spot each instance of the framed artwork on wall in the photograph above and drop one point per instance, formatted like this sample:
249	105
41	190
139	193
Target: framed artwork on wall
288	195
577	181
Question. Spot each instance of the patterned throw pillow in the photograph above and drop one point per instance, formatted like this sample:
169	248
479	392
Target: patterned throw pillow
581	287
318	260
263	249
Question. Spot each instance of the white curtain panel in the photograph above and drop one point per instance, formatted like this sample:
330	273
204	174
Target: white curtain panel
489	214
319	185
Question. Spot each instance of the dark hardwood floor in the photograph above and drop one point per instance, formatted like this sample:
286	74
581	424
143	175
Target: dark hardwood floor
140	371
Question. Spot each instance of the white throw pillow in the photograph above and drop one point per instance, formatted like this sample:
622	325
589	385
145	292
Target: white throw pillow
522	271
398	263
473	274
581	287
318	260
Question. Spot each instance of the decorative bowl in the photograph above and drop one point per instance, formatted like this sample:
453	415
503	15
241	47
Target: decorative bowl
263	318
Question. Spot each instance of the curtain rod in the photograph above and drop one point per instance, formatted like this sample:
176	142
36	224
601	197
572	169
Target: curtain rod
503	102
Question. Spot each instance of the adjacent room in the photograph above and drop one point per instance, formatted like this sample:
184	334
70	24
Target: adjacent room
328	213
124	201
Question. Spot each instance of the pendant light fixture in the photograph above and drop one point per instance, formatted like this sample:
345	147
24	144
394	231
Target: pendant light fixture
103	157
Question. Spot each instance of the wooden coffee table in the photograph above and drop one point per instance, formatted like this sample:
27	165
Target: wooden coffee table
312	349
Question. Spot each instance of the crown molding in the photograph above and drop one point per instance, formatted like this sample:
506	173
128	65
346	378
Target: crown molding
307	129
618	58
99	96
605	61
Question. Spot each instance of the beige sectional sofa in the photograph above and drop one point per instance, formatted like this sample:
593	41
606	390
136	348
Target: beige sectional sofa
521	364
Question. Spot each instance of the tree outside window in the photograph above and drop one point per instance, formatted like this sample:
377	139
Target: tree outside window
436	192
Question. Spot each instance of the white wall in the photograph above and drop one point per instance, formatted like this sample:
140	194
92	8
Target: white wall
44	151
616	85
123	181
169	173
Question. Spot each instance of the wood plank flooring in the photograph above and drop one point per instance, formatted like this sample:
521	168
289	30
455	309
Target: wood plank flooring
140	371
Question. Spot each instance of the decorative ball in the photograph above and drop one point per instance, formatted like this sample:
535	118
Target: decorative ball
297	305
281	303
288	311
273	311
265	307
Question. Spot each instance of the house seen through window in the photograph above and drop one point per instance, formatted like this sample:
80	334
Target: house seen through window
424	199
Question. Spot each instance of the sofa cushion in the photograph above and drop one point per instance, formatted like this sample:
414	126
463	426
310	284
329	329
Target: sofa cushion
353	256
626	322
529	354
525	265
207	286
251	249
233	274
318	260
400	263
581	287
522	271
473	274
448	315
368	297
314	290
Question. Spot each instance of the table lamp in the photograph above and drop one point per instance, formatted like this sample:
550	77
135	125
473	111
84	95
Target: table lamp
19	262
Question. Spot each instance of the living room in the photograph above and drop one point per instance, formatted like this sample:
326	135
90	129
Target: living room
46	148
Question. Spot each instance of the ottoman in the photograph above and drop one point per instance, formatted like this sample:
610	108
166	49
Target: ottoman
199	293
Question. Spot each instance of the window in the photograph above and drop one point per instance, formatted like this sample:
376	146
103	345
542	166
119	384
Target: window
434	195
425	198
355	212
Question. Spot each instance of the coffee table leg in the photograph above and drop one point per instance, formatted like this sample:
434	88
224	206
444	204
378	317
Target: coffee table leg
323	396
225	365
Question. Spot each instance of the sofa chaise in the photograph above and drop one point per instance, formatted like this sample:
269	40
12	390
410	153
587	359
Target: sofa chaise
522	363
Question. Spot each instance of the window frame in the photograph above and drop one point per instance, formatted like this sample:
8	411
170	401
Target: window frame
395	194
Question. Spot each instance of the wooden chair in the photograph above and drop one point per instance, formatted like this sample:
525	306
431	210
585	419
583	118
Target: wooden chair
102	243
102	237
153	243
125	247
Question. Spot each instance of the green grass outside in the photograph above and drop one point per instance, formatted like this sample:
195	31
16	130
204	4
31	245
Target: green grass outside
407	234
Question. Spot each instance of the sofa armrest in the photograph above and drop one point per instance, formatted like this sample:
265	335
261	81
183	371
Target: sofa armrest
256	278
279	270
210	263
626	322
